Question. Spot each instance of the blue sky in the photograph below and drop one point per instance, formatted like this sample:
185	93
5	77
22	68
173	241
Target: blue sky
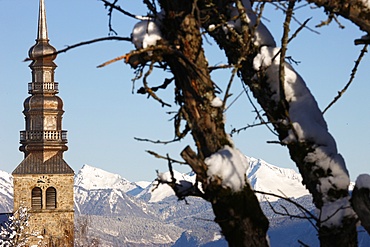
102	116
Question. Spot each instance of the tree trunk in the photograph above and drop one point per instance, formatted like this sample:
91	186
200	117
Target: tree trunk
238	214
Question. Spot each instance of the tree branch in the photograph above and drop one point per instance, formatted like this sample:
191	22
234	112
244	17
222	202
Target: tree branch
361	204
163	157
82	44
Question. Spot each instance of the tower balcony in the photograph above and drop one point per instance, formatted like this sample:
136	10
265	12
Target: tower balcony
44	135
40	87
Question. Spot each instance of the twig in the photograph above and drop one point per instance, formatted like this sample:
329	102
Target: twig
158	141
299	29
151	6
353	73
163	157
155	89
331	17
233	73
291	38
222	66
81	44
299	206
110	14
332	215
327	21
114	6
149	90
197	218
233	131
295	19
284	41
177	124
236	98
180	187
276	142
256	110
303	244
112	61
286	212
288	200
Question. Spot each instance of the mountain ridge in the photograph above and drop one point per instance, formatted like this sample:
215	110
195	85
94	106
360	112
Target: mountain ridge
113	211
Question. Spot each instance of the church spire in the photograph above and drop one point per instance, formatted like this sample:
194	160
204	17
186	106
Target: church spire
42	27
40	52
43	137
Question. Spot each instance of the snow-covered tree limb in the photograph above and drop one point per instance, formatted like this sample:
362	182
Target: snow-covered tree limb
361	200
300	125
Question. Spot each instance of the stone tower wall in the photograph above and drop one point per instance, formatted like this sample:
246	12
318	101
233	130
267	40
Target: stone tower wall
56	225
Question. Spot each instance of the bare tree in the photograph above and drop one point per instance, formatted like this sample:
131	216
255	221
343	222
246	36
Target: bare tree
171	38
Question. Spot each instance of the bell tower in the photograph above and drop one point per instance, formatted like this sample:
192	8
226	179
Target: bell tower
43	181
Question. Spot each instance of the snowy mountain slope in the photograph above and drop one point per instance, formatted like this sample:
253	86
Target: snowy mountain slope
125	231
6	192
108	202
98	192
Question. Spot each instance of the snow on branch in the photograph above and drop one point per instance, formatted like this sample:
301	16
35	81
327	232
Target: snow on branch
305	124
308	125
230	166
361	200
146	33
239	15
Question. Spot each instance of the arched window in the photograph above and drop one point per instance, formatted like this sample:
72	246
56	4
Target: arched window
36	199
51	198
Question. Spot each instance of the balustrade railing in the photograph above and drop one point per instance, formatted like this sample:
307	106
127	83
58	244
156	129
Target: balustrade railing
43	135
43	86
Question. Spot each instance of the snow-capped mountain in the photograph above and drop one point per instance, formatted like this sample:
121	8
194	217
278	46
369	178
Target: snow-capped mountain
261	175
92	178
113	211
272	179
98	192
